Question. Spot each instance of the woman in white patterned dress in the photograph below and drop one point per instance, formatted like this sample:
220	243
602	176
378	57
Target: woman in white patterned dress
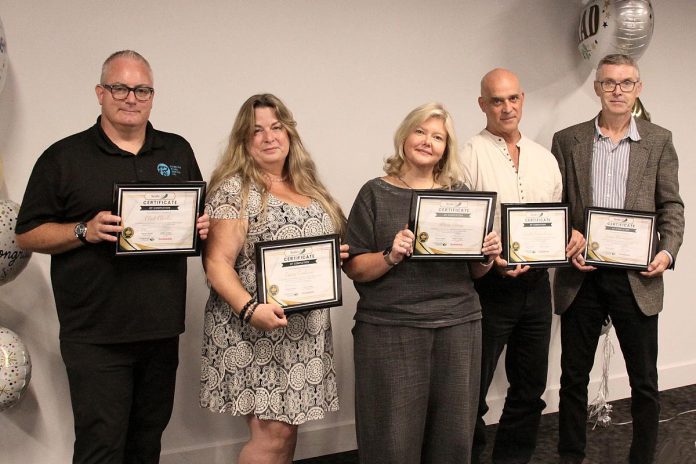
277	371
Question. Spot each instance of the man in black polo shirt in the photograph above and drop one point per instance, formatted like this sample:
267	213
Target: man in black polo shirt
120	318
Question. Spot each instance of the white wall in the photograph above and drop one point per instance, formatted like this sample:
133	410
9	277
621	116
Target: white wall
349	71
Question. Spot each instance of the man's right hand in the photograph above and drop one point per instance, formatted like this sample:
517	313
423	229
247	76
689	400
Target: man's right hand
501	267
579	264
103	227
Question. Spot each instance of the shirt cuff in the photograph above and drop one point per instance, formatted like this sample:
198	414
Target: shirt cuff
671	259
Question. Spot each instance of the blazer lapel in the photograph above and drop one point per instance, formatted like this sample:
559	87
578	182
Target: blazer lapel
582	160
637	161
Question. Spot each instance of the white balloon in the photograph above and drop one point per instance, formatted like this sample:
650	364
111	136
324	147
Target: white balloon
13	259
4	61
615	26
15	368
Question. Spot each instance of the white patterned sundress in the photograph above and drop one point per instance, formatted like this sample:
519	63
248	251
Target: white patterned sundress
287	374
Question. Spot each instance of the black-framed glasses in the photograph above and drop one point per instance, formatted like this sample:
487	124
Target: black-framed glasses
625	86
120	91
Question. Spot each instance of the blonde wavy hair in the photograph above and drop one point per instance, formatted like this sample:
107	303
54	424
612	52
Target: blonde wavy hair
299	168
447	172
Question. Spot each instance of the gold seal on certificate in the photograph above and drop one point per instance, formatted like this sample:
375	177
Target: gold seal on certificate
158	218
535	234
450	225
299	274
620	238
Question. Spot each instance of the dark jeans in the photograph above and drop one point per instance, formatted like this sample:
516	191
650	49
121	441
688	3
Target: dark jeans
415	392
517	313
122	397
607	292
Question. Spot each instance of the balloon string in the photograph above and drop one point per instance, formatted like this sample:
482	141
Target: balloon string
599	410
690	411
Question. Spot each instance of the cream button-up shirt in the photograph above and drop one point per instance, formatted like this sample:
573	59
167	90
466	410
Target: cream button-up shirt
488	166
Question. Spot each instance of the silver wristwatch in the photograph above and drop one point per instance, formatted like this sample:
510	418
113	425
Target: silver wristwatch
81	232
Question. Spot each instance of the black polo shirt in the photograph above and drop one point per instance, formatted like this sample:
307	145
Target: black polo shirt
101	298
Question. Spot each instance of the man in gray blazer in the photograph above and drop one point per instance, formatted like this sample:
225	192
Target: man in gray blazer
615	161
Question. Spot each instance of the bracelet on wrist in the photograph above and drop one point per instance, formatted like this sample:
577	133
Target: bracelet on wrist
250	312
242	313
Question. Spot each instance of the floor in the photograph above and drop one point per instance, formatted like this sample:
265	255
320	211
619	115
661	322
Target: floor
676	441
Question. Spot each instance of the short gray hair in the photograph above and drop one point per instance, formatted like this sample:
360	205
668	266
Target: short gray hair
133	55
618	59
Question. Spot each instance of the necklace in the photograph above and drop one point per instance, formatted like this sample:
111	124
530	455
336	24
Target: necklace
272	179
406	184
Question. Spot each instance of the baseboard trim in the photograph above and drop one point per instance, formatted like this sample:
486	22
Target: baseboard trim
310	442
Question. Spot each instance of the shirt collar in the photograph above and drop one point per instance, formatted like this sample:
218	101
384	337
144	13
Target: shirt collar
499	141
109	147
632	132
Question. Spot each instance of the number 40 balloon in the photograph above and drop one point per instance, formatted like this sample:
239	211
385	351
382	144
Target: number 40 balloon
615	26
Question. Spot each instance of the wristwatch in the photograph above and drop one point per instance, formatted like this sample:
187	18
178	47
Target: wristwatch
387	258
81	232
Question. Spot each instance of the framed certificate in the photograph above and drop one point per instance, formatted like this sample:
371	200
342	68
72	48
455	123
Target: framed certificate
158	218
450	225
299	274
620	238
535	234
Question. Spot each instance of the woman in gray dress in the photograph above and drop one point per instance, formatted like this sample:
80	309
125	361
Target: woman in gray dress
275	370
417	335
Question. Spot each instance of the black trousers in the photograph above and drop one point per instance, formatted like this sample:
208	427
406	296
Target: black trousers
607	292
517	313
122	397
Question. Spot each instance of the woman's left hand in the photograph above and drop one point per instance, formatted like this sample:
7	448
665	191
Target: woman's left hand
492	246
202	225
344	252
491	249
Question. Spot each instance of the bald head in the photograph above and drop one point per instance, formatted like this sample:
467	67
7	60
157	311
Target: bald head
501	99
495	78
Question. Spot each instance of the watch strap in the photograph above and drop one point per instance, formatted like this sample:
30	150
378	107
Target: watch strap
81	232
387	258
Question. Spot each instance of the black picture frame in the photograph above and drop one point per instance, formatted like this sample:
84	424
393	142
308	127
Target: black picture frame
511	246
615	222
458	205
160	221
293	253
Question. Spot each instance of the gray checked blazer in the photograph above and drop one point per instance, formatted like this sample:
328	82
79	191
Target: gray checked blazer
652	185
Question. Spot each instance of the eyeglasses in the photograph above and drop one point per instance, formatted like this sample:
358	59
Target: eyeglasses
625	86
120	91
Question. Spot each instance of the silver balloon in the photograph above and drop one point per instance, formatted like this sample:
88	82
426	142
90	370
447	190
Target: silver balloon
13	259
634	26
615	26
15	368
3	57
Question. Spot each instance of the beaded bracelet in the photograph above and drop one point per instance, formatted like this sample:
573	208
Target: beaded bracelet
250	313
245	308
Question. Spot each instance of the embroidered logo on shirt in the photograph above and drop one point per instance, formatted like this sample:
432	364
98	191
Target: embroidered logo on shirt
168	170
